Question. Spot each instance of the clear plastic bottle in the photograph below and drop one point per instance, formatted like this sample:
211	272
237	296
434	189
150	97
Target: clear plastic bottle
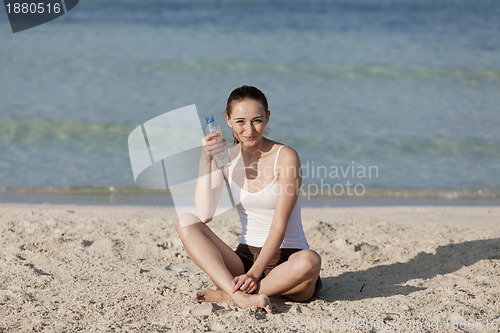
222	159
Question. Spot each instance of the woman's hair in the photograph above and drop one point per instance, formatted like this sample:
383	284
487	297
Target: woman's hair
242	93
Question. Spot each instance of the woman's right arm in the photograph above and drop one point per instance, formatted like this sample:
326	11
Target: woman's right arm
210	179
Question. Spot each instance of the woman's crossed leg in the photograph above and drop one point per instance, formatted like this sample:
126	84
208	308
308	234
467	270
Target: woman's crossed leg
294	279
216	259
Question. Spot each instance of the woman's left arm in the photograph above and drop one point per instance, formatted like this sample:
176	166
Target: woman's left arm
290	181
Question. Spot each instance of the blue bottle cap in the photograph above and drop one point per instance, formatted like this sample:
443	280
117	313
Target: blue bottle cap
209	119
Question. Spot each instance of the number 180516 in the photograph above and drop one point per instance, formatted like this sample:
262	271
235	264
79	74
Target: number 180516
33	8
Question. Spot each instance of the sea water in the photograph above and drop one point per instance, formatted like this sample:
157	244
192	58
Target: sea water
410	89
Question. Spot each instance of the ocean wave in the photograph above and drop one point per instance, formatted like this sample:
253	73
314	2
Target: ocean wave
315	69
154	67
396	146
40	132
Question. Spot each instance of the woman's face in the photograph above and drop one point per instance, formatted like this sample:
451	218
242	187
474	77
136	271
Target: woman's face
248	121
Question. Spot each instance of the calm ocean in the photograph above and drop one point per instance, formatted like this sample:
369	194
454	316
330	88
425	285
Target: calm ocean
410	89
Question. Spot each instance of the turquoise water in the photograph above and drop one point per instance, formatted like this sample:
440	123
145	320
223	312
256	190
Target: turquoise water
411	88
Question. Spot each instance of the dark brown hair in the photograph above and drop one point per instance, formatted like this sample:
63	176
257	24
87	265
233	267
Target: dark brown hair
242	93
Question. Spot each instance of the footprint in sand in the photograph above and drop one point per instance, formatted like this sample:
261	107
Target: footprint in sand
343	244
365	248
201	310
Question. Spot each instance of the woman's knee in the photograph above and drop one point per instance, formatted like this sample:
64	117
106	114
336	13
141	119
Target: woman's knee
307	263
185	220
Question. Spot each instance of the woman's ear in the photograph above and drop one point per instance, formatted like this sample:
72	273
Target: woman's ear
227	120
268	114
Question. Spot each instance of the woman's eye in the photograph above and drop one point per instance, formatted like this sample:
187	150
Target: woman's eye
239	121
258	120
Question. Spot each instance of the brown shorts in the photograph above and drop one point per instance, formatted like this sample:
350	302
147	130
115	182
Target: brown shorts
248	254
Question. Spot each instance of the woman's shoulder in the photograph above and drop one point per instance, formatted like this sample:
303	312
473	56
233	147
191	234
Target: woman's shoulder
286	155
287	163
283	149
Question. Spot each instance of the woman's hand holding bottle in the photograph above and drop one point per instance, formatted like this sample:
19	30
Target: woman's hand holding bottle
213	144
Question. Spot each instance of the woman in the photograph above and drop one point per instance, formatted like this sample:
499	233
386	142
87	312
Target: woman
273	257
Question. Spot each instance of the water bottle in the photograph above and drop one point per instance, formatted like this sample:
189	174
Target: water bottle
221	159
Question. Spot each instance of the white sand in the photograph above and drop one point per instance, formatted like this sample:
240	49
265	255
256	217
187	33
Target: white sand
69	268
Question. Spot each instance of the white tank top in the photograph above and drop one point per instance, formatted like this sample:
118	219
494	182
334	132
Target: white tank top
256	211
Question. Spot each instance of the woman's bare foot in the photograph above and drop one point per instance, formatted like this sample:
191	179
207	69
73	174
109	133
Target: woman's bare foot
210	295
243	300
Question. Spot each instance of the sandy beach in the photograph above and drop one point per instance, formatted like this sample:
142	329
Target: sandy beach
385	269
